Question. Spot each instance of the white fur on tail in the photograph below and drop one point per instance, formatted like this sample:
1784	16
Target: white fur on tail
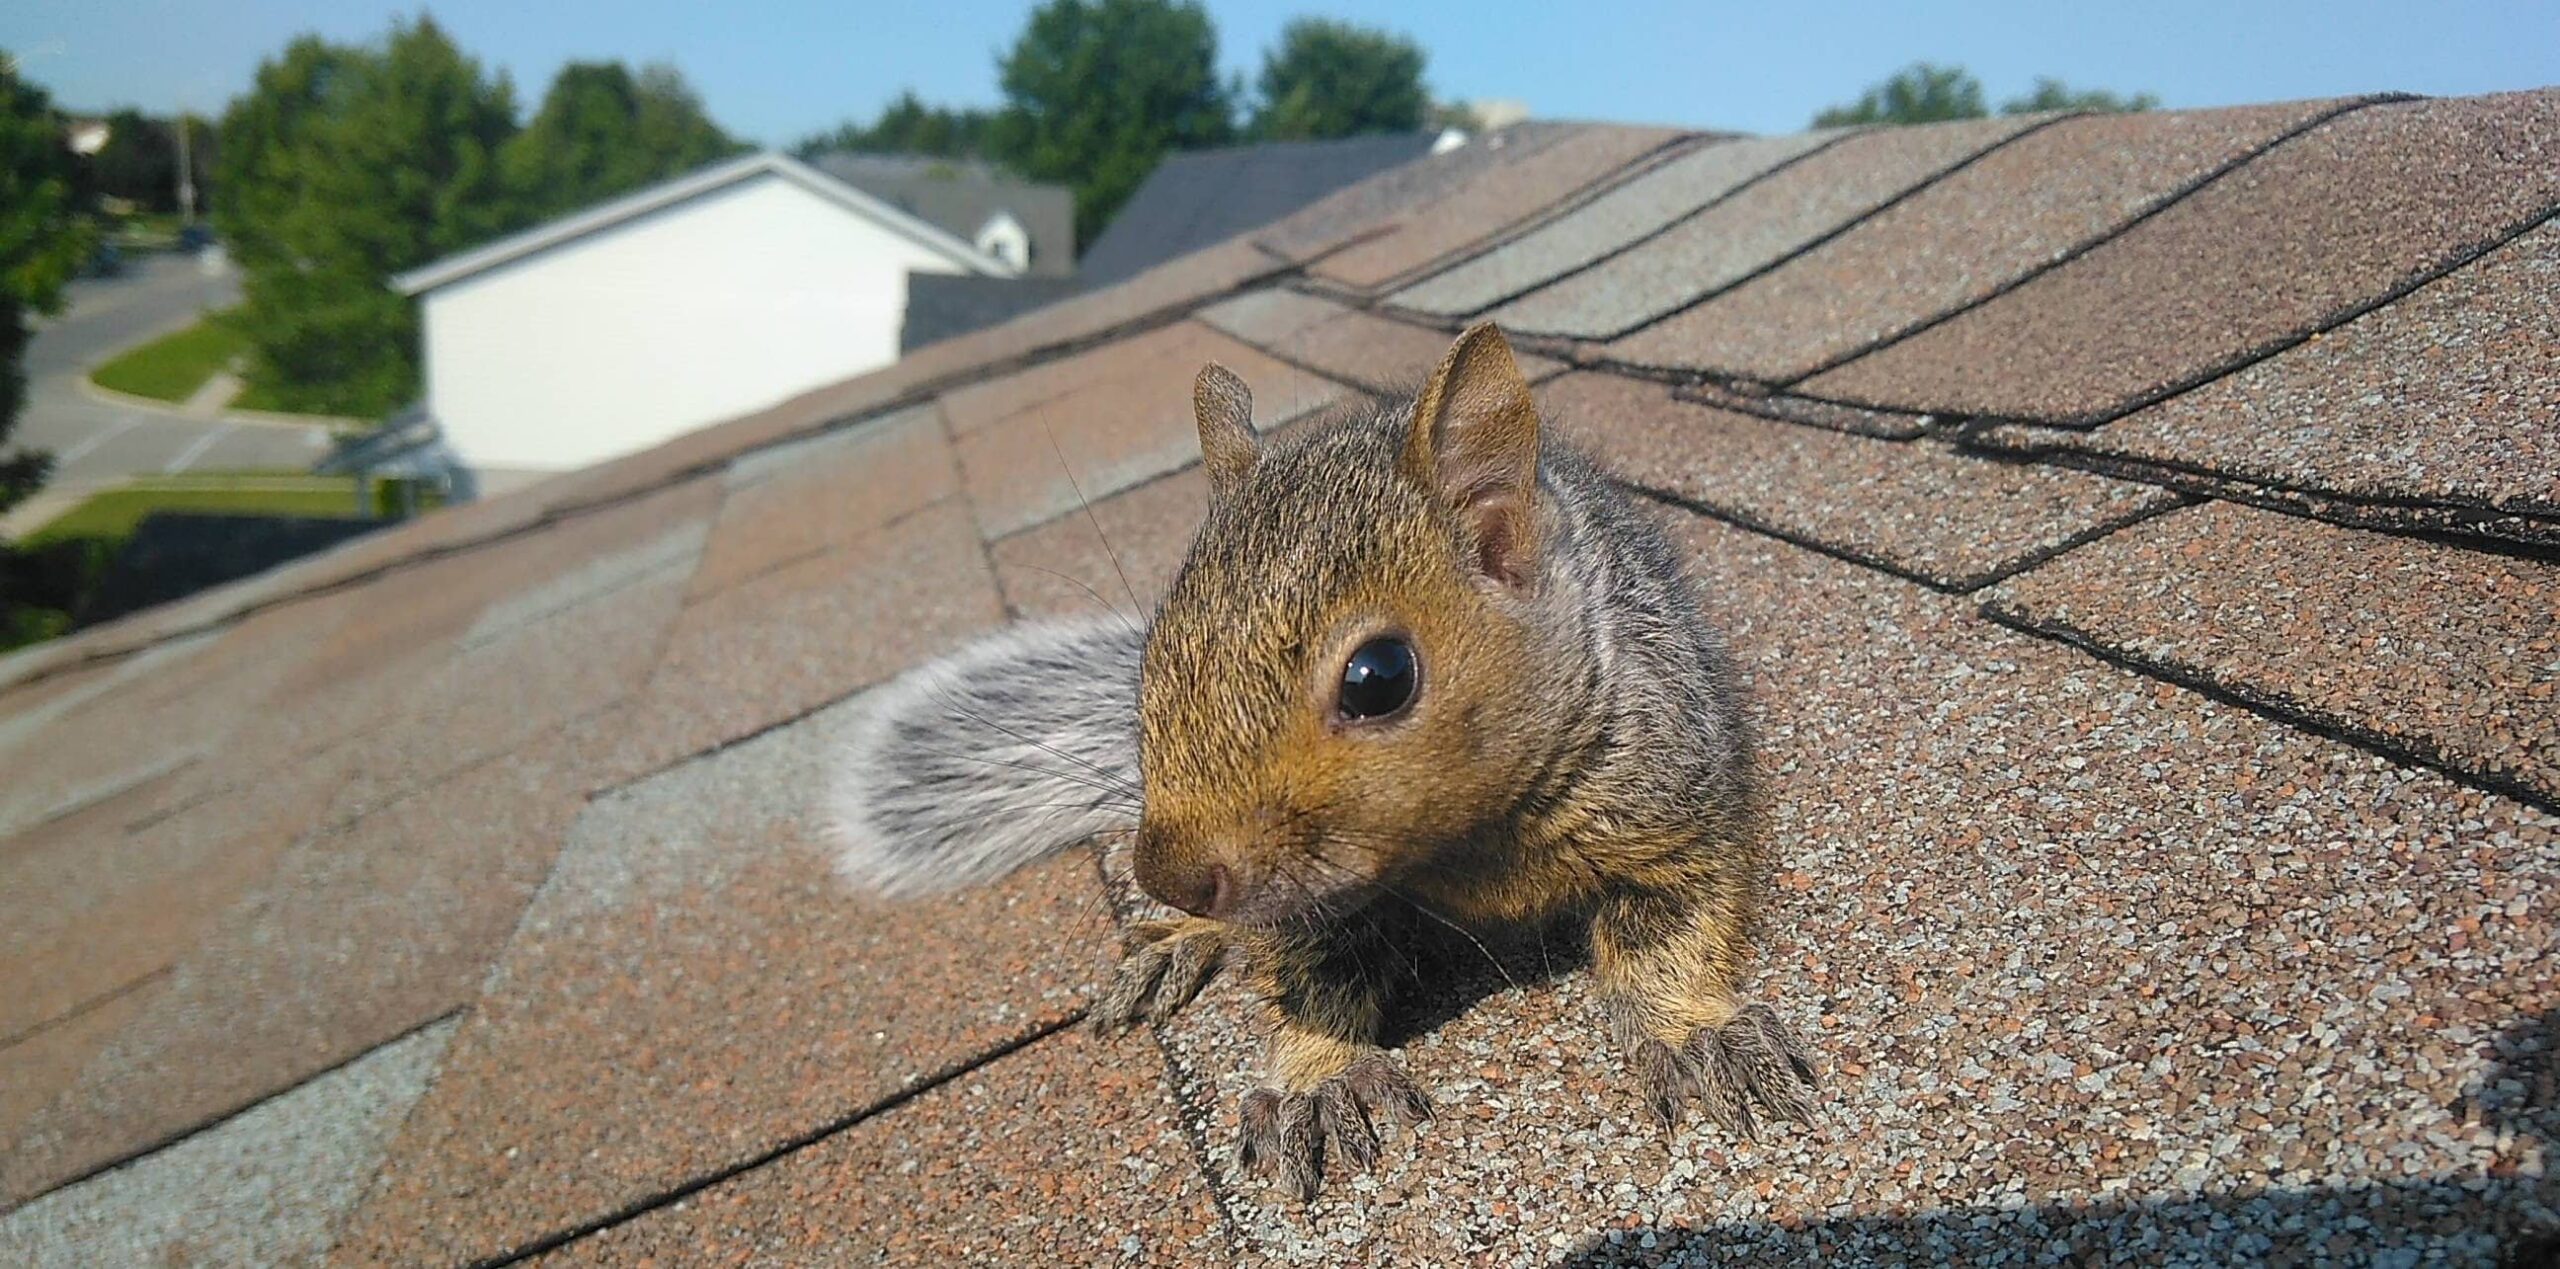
1011	749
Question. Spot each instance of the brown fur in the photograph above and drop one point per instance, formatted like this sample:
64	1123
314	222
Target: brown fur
1576	746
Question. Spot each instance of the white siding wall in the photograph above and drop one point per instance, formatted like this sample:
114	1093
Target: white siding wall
687	316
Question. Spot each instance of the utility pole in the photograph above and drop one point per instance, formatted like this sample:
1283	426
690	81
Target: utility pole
186	174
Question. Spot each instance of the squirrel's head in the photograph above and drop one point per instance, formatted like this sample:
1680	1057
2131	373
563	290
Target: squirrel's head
1344	678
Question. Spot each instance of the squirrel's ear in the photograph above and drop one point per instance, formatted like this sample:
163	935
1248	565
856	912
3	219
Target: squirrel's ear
1475	439
1224	408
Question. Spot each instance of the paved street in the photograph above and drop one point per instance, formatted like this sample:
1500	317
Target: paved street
96	441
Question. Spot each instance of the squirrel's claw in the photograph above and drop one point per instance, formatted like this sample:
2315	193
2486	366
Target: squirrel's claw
1290	1135
1752	1062
1167	965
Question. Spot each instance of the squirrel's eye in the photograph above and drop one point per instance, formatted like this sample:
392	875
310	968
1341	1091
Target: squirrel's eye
1378	680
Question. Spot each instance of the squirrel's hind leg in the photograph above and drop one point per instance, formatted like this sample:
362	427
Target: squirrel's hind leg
1330	1082
1667	963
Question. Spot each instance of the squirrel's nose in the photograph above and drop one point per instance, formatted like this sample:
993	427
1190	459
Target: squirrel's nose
1208	892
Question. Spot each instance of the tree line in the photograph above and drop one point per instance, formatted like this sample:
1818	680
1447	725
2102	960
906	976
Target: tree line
344	165
1096	92
1925	92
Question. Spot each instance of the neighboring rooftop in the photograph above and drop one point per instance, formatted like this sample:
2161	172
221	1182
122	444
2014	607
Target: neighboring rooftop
2142	534
1192	200
964	197
1199	198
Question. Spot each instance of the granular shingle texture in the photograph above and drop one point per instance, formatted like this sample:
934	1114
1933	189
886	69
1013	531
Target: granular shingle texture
1365	208
1644	205
2446	402
2160	779
1379	354
977	1171
1504	196
1123	417
1764	224
354	937
2334	219
1918	508
2020	208
693	988
264	1188
2448	654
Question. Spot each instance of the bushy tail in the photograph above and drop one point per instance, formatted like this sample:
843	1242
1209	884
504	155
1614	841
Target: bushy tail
964	769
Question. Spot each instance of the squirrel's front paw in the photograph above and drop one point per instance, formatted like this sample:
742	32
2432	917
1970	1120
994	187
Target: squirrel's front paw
1290	1135
1753	1060
1167	964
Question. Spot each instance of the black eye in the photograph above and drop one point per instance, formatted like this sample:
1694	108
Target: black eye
1378	680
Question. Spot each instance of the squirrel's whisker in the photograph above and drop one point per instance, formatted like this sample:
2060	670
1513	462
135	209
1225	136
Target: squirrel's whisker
1079	583
1090	518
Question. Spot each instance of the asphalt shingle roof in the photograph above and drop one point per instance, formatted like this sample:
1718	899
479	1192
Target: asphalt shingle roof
2137	532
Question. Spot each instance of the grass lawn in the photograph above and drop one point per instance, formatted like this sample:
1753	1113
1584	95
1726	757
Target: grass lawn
113	513
173	366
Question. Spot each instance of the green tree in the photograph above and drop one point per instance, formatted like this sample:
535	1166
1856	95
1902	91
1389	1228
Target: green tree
1096	91
346	166
1335	79
269	136
43	240
1920	93
139	162
2053	94
909	126
604	131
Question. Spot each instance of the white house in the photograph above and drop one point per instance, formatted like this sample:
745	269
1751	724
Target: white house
701	299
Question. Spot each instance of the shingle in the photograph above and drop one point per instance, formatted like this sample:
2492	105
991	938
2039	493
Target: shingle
2020	208
1916	507
2425	648
265	1188
498	695
2336	218
692	988
1500	197
1120	559
1266	316
1756	228
2070	946
1378	202
1126	419
1384	356
88	908
793	501
37	1066
1644	205
796	638
354	937
2435	410
95	737
1067	1152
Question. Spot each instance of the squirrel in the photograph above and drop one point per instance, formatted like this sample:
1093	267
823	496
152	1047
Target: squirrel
1428	653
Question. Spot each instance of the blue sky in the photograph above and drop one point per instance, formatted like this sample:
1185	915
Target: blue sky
773	72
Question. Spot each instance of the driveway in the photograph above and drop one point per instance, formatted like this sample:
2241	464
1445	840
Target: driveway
97	441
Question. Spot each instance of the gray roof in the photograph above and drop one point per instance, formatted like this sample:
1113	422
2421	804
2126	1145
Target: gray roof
941	305
962	195
1203	197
